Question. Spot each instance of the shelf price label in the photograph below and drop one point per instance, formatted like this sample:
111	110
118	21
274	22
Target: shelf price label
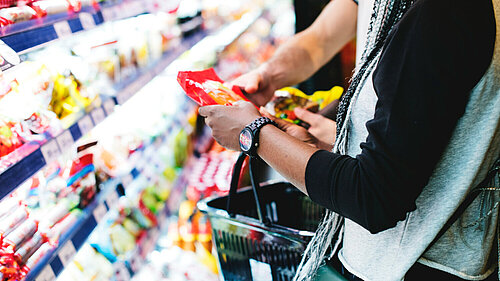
65	141
127	180
121	271
67	253
112	199
87	20
108	14
47	274
109	106
85	124
126	93
50	151
136	262
99	212
98	115
62	29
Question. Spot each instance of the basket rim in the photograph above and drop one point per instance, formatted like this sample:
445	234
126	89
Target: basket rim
212	212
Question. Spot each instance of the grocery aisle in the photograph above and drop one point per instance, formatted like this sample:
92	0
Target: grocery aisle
102	156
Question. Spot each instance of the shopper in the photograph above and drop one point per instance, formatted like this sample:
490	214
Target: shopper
417	130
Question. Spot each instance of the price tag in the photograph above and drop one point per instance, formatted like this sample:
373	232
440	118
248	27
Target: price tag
112	199
85	124
98	115
87	20
62	29
50	151
124	95
121	271
99	212
107	14
47	274
109	106
67	253
136	262
126	180
65	141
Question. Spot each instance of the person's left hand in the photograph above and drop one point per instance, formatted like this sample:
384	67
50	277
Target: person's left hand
227	122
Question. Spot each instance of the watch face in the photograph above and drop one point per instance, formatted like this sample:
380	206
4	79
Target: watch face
245	140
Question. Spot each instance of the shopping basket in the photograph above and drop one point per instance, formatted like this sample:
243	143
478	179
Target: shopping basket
261	232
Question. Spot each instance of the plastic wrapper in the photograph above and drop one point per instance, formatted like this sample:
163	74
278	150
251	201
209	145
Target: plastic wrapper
50	7
29	247
64	225
21	234
16	14
38	255
9	223
7	206
206	88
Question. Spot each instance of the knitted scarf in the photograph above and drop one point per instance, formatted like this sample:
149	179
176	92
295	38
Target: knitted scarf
386	13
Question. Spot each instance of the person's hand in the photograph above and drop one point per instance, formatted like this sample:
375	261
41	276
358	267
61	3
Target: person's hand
227	122
257	85
321	127
292	129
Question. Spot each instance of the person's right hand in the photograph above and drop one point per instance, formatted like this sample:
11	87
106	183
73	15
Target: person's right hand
321	127
257	84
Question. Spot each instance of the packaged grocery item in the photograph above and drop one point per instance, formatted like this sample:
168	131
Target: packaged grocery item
287	99
16	14
10	222
29	247
206	88
50	7
38	255
21	234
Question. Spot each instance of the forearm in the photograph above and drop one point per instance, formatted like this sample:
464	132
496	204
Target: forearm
285	154
307	51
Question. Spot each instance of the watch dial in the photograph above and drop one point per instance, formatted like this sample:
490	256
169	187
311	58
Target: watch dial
245	140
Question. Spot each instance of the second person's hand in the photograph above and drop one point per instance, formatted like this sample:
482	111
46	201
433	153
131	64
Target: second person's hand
257	85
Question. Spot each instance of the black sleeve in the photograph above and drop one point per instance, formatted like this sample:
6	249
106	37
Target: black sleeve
430	62
355	1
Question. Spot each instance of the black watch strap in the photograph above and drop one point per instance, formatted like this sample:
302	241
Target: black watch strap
255	127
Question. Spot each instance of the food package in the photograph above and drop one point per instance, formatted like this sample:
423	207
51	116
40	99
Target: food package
21	234
29	247
10	222
206	88
288	98
50	7
16	14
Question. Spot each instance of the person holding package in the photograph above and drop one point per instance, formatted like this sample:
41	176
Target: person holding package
416	132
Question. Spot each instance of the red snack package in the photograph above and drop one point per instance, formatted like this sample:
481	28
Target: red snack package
206	88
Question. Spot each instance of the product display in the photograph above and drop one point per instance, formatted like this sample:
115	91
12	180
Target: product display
111	155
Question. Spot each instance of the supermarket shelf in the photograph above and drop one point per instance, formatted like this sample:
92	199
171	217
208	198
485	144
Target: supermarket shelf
69	243
26	35
54	262
49	151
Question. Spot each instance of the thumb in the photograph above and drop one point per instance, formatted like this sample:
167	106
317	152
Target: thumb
305	115
282	124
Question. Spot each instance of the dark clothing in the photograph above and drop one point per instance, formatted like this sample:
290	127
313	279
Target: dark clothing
430	62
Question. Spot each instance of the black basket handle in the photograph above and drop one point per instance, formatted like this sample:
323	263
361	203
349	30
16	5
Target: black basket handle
255	186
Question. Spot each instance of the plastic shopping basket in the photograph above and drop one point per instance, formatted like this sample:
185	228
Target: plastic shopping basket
261	232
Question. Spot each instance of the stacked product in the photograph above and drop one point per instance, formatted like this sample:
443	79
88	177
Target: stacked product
36	215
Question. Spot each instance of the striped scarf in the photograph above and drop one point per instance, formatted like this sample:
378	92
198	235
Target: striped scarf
386	13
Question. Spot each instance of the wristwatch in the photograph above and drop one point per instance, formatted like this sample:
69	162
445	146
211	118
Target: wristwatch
249	136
